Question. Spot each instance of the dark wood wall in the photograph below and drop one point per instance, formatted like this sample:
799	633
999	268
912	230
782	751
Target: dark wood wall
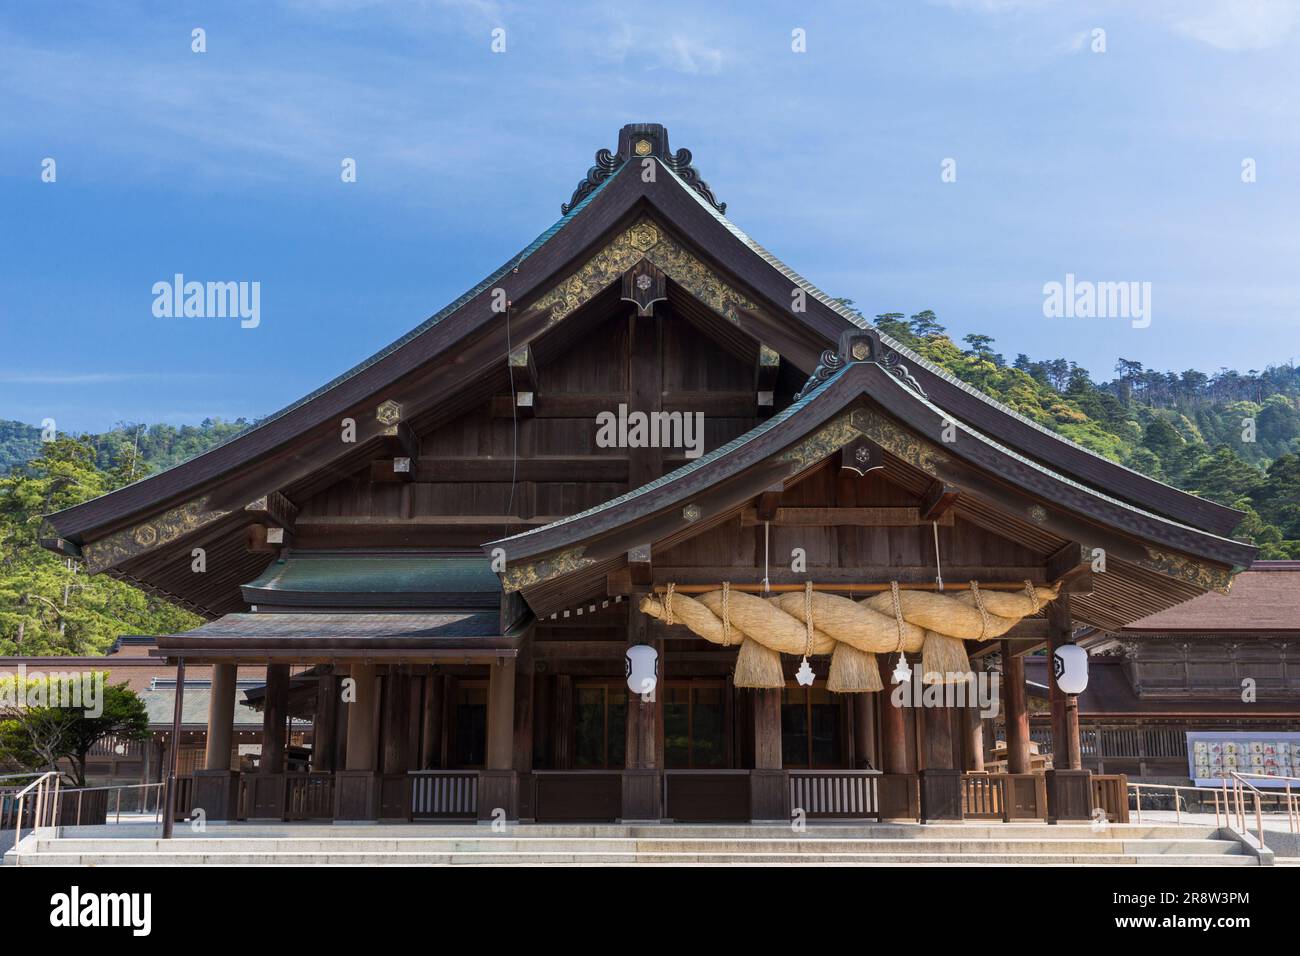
462	492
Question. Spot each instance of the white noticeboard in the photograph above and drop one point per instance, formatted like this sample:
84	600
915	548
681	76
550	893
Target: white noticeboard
1213	755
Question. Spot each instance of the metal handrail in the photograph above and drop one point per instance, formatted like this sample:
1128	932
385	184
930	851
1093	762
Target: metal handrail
1232	798
41	787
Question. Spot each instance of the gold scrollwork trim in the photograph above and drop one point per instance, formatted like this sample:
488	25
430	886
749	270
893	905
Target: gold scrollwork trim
1204	576
899	442
642	240
527	575
165	528
827	440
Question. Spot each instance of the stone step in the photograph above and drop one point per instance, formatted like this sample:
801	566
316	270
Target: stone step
816	831
154	858
508	844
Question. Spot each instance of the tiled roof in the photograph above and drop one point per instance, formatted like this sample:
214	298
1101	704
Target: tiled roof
378	574
1265	597
306	628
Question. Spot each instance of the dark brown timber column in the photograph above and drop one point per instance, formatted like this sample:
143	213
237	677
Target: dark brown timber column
898	786
1017	717
269	782
767	790
642	780
325	725
395	783
974	738
498	782
216	787
1069	789
864	732
940	780
525	680
431	750
356	787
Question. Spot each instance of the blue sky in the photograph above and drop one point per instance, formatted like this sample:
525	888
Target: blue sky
1115	166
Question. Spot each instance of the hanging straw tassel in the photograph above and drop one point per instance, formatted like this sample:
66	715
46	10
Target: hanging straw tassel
758	666
943	660
853	671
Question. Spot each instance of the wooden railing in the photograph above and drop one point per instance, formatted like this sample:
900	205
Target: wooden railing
444	794
1004	796
1110	793
309	796
983	796
835	794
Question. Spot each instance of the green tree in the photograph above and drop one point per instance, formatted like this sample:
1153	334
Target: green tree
45	720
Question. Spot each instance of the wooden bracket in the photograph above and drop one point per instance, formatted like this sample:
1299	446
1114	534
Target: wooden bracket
1071	566
769	501
640	564
938	499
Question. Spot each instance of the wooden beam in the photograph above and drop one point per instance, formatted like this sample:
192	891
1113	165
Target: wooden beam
454	470
523	369
720	404
640	565
766	372
273	509
937	500
769	501
619	581
884	517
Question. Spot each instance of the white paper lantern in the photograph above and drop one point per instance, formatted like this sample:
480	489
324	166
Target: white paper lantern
1070	664
642	663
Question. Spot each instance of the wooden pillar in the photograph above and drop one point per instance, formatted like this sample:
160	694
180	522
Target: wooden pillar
395	780
356	787
173	761
396	719
522	756
275	707
642	773
645	385
1069	787
864	731
431	733
325	723
1058	632
974	738
1072	731
768	791
896	756
267	786
361	718
216	786
498	782
940	779
221	717
1017	716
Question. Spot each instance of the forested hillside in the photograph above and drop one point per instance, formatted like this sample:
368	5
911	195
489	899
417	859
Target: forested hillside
47	604
1230	436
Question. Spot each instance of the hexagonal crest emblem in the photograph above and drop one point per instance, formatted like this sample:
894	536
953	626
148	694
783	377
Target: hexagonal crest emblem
644	235
691	512
389	412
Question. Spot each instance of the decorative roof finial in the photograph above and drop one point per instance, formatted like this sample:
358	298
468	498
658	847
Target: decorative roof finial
641	141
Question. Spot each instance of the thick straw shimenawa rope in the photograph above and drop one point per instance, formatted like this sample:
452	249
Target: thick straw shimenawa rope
815	622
